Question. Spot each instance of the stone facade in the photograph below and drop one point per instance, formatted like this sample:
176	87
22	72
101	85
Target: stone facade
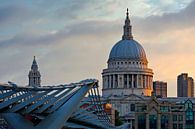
149	112
165	113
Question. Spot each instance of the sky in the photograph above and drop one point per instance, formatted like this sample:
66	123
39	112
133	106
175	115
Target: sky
71	39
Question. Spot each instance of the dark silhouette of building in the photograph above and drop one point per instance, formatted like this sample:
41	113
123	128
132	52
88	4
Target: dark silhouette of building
160	89
185	86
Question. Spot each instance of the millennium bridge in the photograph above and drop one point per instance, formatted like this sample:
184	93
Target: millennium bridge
54	107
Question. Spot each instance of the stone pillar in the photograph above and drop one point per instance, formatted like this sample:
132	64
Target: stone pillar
104	82
158	121
149	82
127	80
116	81
171	121
137	83
113	81
132	80
136	121
184	120
142	80
122	80
109	81
147	121
118	78
145	81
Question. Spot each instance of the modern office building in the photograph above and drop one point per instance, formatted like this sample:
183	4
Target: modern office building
185	86
160	89
34	75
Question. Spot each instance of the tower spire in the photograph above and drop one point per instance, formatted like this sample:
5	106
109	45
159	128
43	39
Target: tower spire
127	13
34	64
127	35
34	75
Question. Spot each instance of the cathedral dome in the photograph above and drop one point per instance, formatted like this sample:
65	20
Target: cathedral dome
127	49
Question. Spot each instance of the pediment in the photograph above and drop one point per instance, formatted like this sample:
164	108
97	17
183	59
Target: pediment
133	97
153	101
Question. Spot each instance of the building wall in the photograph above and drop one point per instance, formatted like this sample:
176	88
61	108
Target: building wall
171	113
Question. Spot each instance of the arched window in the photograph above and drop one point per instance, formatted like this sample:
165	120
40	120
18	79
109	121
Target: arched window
189	115
188	105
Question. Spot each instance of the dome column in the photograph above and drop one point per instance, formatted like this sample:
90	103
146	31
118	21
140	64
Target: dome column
132	82
116	81
109	80
118	78
122	80
127	80
113	81
142	80
145	81
137	81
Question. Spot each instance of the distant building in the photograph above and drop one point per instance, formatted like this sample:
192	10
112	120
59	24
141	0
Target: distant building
34	75
160	89
185	86
165	113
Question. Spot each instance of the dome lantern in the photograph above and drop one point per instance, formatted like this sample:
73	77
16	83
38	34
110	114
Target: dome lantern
127	34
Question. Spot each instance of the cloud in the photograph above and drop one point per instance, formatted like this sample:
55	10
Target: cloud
70	52
174	21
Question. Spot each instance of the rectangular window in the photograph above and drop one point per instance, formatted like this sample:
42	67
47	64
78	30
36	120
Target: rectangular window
153	121
174	126
180	126
141	122
174	117
180	117
141	108
164	108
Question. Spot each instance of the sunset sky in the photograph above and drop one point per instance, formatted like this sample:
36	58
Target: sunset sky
71	39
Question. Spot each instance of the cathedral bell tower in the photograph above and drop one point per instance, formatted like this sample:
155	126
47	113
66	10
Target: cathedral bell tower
34	75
